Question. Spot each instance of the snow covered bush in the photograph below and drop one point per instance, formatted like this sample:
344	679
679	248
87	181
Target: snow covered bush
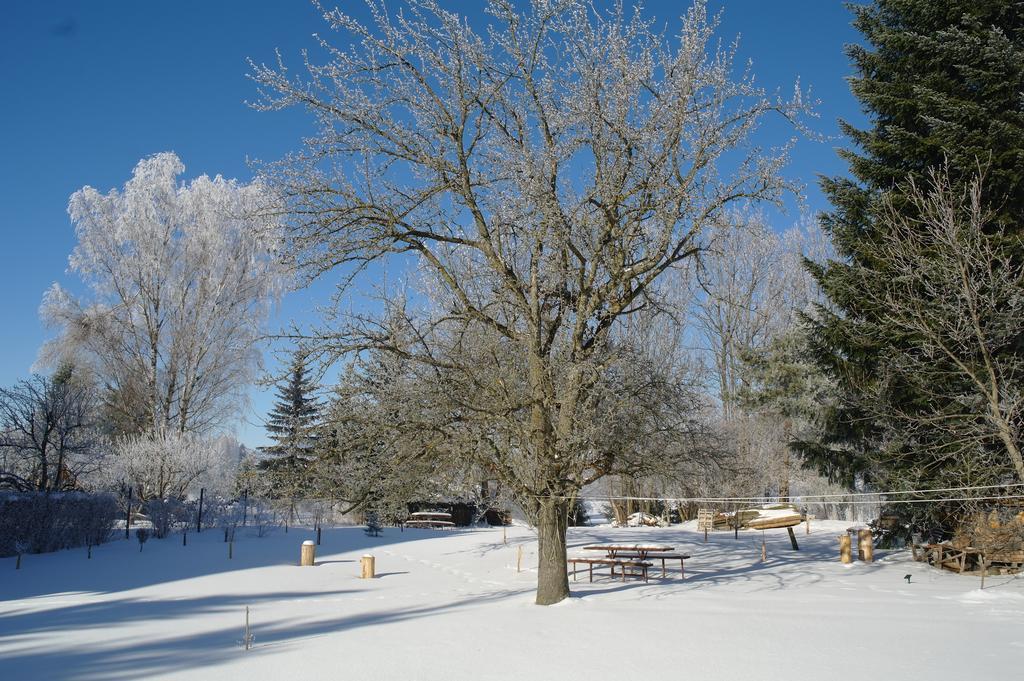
50	522
167	514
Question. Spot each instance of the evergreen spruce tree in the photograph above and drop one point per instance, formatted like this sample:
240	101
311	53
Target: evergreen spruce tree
941	83
293	424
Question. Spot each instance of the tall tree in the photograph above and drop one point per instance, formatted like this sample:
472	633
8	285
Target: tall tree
293	425
545	175
753	285
787	390
182	277
941	84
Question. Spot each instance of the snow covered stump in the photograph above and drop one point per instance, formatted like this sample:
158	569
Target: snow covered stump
865	546
367	565
308	554
844	549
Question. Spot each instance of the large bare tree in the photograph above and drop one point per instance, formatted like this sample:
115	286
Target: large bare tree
544	175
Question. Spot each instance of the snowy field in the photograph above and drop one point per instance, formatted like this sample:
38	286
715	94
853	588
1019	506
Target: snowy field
450	605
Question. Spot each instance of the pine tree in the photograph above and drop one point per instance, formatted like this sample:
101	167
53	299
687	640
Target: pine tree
785	387
941	84
293	424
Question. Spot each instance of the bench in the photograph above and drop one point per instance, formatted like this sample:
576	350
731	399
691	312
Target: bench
433	524
662	557
638	567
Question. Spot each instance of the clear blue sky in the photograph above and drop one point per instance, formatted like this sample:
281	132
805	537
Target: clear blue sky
92	87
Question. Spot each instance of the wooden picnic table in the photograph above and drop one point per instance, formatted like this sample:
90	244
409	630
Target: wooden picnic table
643	553
629	566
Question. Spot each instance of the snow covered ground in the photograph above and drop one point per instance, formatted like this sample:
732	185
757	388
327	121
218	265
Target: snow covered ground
450	605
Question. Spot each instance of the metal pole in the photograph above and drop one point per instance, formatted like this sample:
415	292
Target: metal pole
199	516
128	515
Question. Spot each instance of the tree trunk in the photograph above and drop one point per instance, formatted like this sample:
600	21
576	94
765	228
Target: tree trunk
787	428
552	574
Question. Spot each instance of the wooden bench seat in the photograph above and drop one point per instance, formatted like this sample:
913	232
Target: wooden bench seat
433	524
638	567
662	557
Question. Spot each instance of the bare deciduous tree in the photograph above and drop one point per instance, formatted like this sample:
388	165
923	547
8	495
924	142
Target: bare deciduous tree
544	176
48	434
954	290
752	287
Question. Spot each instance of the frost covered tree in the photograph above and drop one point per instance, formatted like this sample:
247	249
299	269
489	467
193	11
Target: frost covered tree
752	288
164	465
544	175
181	279
752	285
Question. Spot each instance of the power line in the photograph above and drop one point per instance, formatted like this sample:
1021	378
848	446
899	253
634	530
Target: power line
847	498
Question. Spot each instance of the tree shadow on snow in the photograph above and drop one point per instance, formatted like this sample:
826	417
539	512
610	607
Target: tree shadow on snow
133	659
118	565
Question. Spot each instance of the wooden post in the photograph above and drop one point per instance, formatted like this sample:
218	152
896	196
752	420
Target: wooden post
199	515
248	633
984	570
519	558
184	537
307	555
809	518
705	521
792	539
367	565
318	535
844	549
764	548
88	553
865	546
504	533
231	549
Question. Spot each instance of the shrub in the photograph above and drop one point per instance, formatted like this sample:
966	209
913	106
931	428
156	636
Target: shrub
167	515
49	522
